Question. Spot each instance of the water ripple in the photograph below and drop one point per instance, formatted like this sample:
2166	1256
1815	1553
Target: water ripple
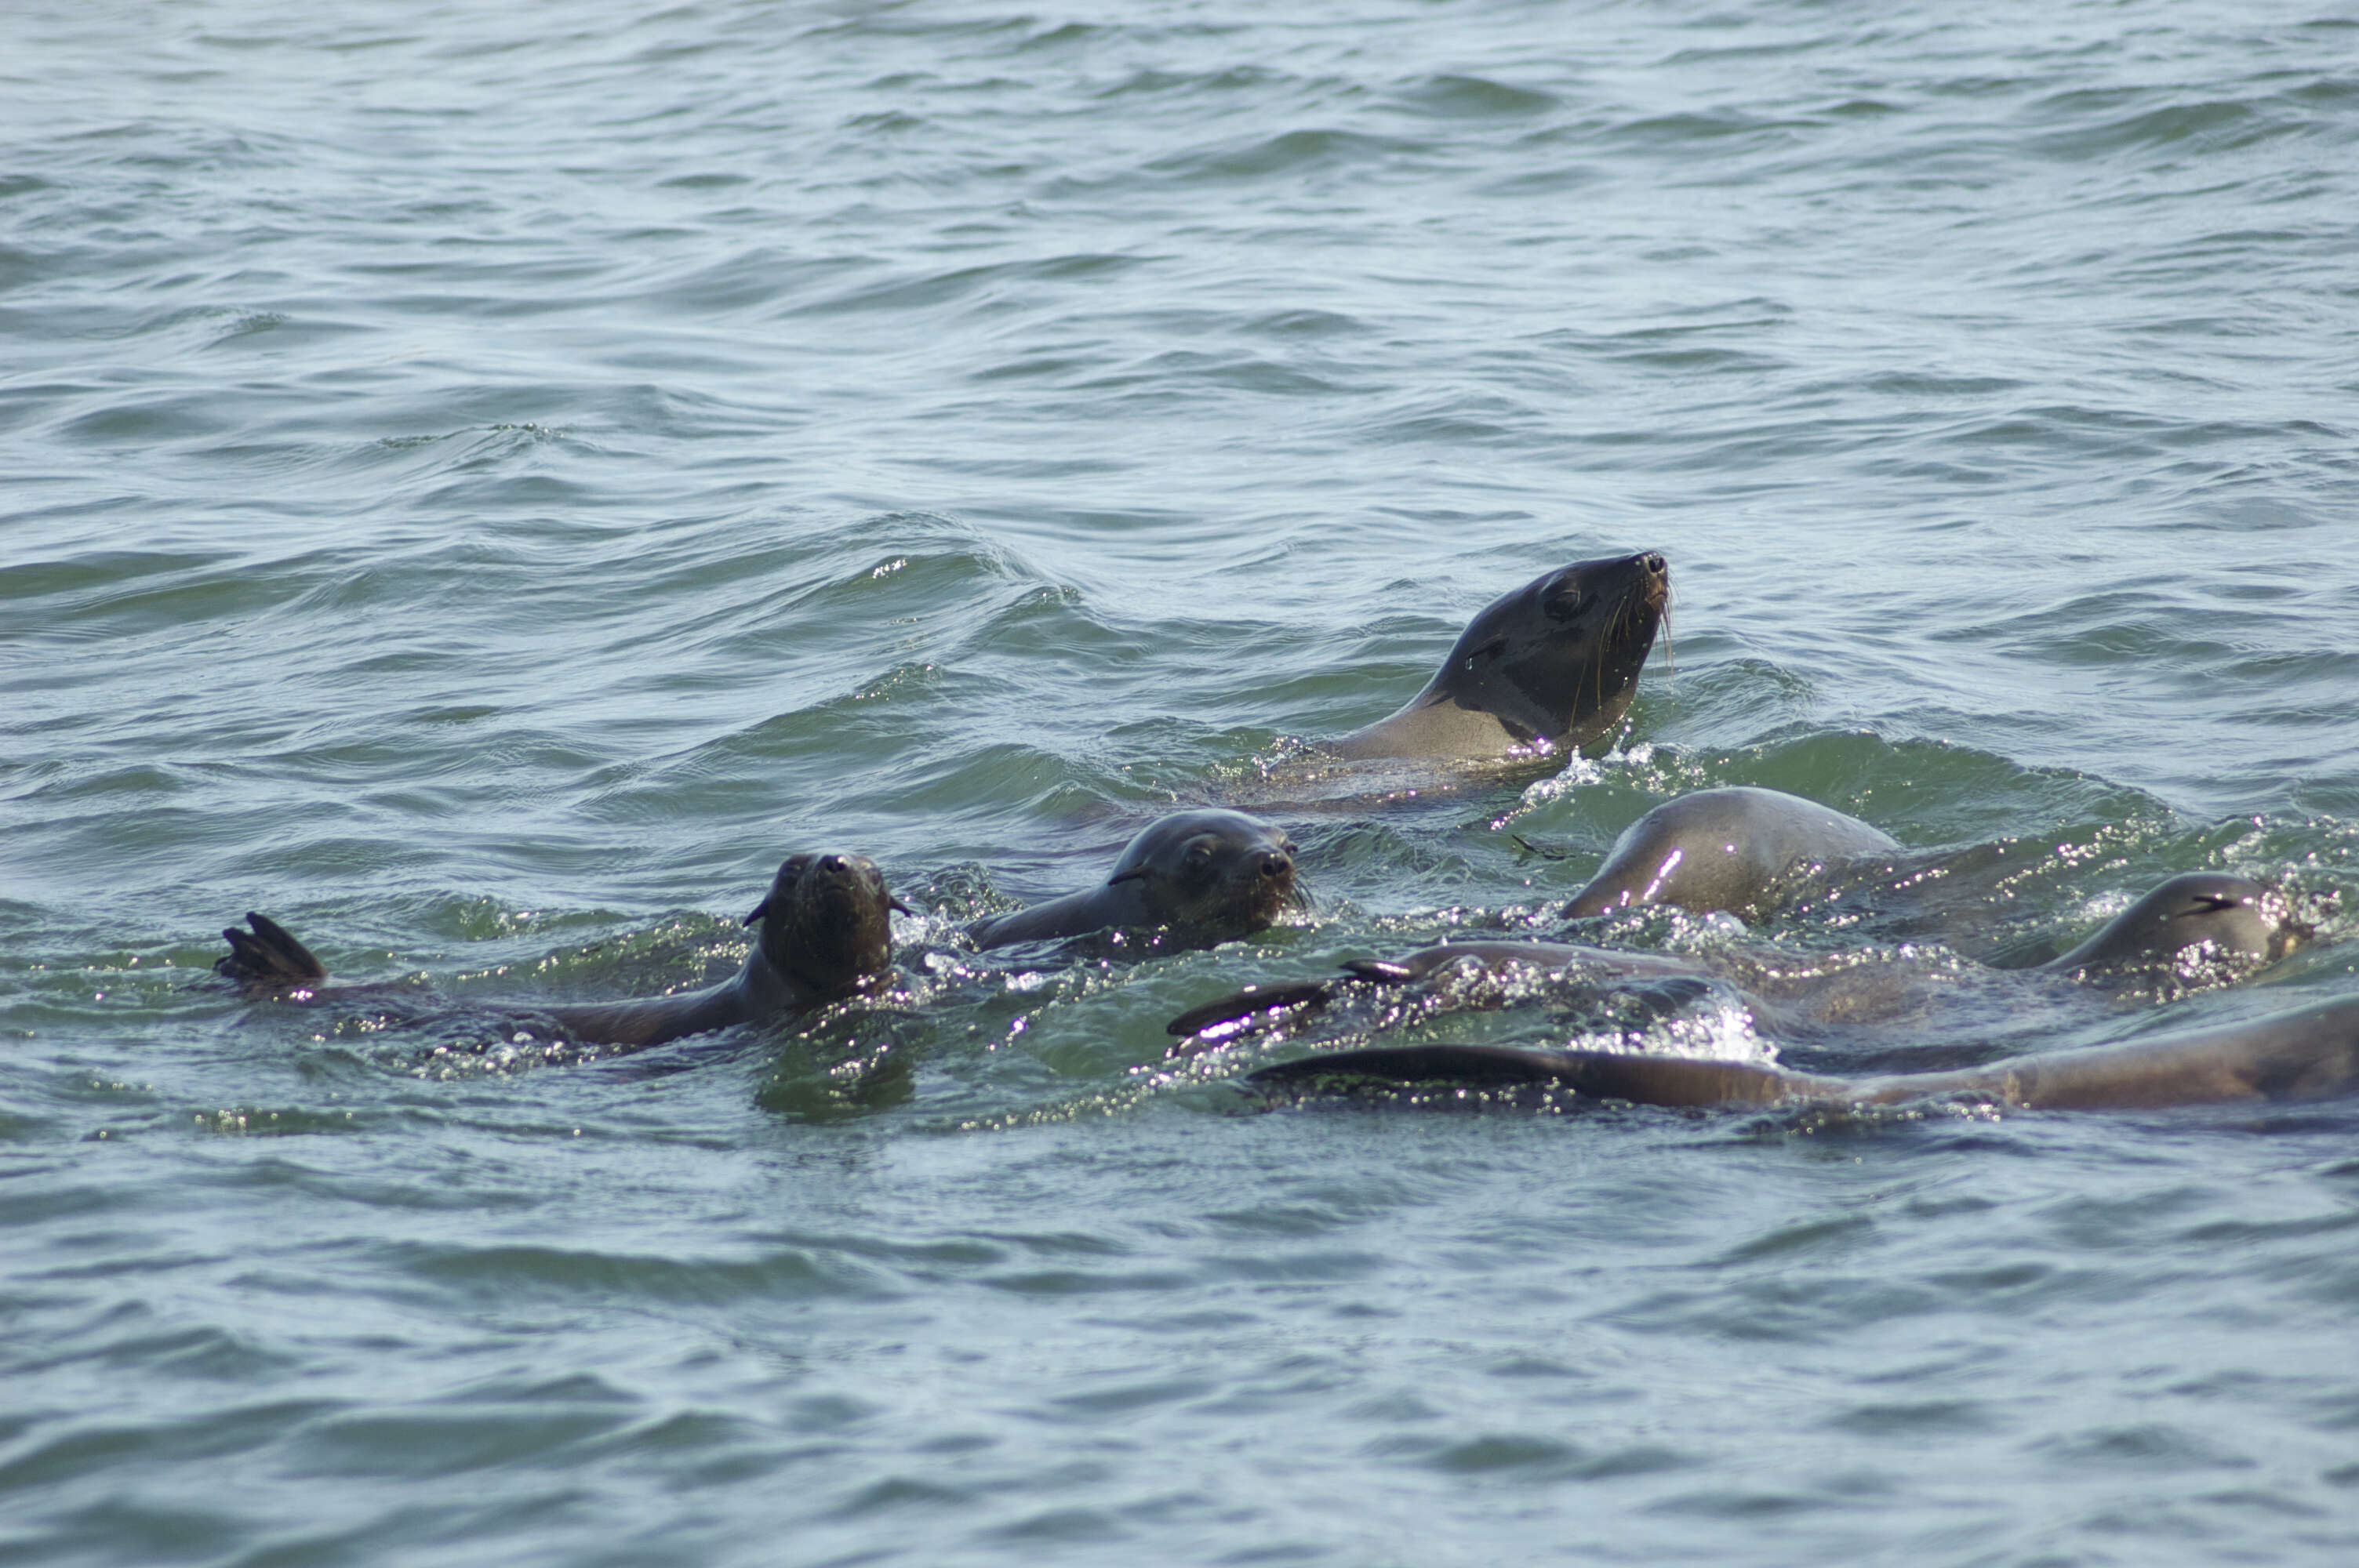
486	487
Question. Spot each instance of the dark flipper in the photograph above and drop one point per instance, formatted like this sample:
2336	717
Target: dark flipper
1599	1075
268	958
1241	1009
1472	1066
1217	1022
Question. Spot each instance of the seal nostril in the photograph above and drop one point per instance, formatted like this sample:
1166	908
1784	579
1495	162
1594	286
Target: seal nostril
1276	865
830	863
1654	562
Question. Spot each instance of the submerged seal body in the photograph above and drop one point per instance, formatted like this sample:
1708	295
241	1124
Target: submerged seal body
2312	1053
1213	872
2204	926
1216	1022
1549	667
2226	924
1723	850
826	932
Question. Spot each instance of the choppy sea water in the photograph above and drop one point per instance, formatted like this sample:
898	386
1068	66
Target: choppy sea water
483	484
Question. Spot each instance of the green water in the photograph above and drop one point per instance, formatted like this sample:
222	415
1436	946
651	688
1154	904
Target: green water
483	485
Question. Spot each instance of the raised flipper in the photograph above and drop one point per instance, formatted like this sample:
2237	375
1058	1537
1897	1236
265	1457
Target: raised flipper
268	958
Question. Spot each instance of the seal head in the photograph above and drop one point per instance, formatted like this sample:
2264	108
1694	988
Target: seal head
1547	667
2202	920
1213	869
1211	872
824	922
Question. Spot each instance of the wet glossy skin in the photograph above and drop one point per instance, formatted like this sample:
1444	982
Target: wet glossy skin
1723	850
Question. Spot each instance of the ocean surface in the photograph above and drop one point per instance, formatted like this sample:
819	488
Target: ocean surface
482	484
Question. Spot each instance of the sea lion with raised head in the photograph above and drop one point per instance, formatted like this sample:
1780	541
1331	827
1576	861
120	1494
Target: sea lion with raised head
1551	666
1212	873
826	934
1734	848
2312	1053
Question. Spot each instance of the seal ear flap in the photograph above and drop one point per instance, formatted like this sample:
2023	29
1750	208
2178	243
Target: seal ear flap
760	910
1132	875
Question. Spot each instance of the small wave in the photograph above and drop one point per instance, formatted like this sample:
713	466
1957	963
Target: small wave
1453	97
1287	153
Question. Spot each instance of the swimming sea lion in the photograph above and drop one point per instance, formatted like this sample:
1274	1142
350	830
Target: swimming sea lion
825	934
1729	849
1712	849
2207	923
2312	1053
1550	667
1215	872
